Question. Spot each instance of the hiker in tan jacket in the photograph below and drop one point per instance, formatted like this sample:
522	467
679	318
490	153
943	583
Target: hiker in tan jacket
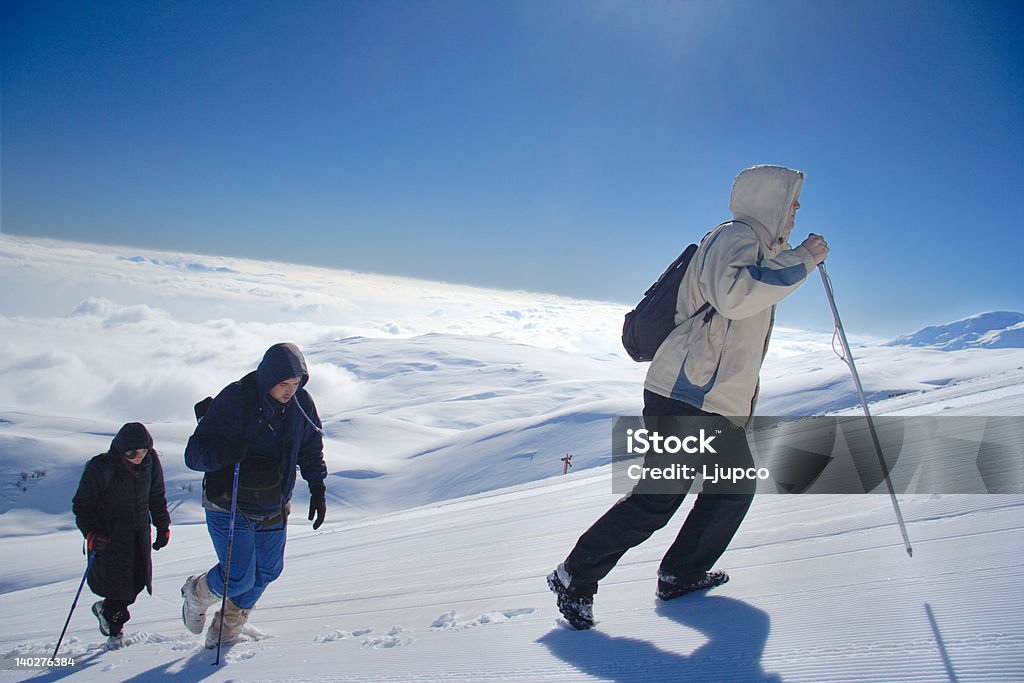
742	269
706	370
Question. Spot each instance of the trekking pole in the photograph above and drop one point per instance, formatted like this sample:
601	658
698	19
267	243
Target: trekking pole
227	564
88	566
848	359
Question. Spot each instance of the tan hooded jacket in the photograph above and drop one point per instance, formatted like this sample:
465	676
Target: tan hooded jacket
712	359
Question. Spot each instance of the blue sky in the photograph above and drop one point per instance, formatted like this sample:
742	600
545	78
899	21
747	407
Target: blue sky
564	147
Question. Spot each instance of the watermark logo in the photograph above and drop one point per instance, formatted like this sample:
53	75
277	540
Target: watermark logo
644	441
826	454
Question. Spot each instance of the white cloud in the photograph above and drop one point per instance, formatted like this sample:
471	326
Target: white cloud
120	334
334	387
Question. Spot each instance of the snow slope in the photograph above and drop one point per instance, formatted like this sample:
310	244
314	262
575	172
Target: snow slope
445	433
821	590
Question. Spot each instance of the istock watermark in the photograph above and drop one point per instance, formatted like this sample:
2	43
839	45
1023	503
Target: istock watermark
662	455
927	455
643	441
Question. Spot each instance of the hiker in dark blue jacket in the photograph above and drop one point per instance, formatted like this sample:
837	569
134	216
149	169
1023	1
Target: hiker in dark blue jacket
267	424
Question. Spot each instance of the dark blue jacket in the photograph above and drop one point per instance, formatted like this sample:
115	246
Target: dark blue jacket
244	412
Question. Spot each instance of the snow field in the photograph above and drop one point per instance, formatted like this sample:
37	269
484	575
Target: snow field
821	590
447	410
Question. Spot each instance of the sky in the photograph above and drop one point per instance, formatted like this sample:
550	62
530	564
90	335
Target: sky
564	147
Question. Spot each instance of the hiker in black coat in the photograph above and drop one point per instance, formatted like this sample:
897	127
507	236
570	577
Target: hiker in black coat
120	493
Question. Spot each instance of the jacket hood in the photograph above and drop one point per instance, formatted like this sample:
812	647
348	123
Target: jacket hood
281	362
131	437
764	195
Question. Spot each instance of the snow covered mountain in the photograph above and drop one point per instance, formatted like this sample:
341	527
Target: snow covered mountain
447	412
992	330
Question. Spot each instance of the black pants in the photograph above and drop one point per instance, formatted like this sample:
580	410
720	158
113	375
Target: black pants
707	532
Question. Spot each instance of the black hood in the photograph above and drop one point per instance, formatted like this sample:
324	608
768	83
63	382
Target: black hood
281	362
131	437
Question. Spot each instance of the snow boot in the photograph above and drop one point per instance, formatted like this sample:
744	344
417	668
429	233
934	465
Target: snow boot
115	642
196	597
234	620
576	607
112	617
670	588
97	609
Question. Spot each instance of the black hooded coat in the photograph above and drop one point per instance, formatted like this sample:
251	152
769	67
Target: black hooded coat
119	500
285	436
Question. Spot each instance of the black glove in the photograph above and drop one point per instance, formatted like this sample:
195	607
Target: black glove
163	537
317	504
96	542
232	452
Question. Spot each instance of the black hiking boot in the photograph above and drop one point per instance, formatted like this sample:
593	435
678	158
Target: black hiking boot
669	588
97	609
577	608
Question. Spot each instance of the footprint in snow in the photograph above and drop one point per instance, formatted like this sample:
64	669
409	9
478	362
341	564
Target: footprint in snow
448	620
393	638
342	635
234	655
128	640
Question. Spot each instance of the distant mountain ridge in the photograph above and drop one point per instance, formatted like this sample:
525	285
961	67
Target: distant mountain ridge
991	330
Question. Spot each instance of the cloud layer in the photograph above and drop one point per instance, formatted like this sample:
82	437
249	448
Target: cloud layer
106	331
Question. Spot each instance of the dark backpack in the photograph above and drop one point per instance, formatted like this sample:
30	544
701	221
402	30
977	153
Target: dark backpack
654	318
201	407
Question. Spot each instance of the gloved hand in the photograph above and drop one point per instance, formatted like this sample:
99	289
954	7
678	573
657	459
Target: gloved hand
232	452
163	537
317	504
96	542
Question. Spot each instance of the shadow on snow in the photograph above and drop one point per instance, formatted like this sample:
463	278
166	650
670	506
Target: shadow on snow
736	635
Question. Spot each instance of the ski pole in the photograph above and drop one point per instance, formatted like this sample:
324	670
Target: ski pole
864	404
227	567
88	566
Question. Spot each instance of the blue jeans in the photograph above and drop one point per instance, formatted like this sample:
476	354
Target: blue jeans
257	557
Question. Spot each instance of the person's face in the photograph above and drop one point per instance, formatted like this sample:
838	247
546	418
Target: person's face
791	221
283	392
135	457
